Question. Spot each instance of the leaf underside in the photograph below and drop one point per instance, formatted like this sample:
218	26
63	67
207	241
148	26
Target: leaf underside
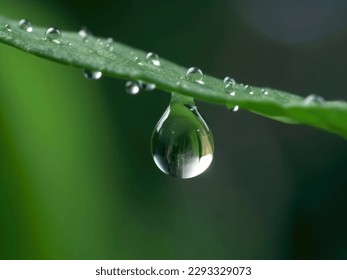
118	60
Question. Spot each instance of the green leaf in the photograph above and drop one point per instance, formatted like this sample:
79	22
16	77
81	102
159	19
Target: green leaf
118	60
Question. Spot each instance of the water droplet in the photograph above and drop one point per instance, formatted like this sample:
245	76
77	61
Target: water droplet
182	143
68	43
25	25
132	87
99	42
227	80
7	27
109	40
92	75
109	47
248	89
147	86
313	99
194	74
266	93
84	33
153	59
138	60
262	90
236	108
53	34
229	89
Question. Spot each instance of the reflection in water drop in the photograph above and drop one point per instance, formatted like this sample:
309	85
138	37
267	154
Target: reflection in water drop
182	143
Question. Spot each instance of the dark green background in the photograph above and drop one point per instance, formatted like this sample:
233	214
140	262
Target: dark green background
77	180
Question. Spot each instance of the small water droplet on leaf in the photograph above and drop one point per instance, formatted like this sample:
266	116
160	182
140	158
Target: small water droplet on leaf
194	74
313	99
53	34
138	60
84	33
25	25
229	89
147	86
8	27
153	59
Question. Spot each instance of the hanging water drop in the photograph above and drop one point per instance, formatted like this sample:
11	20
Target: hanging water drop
53	34
92	75
236	108
153	59
109	47
194	74
132	87
313	99
25	25
147	86
182	143
227	80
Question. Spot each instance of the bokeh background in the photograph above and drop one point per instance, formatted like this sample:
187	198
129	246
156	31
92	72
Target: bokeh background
77	180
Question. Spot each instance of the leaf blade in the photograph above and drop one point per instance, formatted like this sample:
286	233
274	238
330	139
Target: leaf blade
95	54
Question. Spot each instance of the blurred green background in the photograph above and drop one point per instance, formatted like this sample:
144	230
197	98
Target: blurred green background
77	180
